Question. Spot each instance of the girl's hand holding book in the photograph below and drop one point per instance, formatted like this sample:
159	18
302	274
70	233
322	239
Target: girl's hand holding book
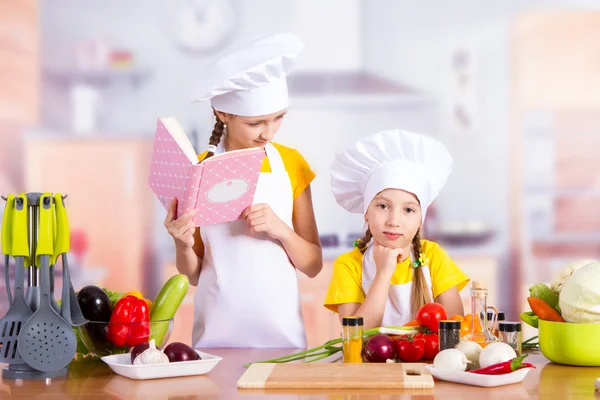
181	229
261	218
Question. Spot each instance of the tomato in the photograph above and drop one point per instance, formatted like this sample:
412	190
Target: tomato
430	315
431	344
410	350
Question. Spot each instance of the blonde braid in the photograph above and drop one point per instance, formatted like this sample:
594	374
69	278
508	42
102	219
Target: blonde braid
420	292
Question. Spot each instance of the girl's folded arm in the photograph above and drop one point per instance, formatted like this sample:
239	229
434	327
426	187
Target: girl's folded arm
373	308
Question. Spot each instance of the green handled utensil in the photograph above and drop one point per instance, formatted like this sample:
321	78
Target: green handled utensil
46	342
53	261
70	309
19	312
7	241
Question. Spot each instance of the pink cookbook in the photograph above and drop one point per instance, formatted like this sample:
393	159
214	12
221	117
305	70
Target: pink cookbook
221	187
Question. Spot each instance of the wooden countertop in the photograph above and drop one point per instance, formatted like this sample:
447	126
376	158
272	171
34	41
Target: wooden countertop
96	380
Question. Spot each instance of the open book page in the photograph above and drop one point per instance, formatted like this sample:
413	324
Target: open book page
180	138
234	153
171	167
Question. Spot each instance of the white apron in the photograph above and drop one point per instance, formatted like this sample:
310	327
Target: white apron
247	294
397	308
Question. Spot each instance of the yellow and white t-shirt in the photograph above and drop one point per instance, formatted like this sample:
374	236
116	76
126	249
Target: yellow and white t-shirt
346	280
300	173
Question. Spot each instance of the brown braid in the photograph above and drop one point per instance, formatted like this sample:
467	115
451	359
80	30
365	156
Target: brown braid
420	292
216	135
364	241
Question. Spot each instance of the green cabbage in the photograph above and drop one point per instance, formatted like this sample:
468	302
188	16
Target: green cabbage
579	298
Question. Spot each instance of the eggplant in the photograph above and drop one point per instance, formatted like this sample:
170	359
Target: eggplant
177	352
95	307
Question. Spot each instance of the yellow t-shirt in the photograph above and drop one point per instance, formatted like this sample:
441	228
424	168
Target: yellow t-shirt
300	173
346	280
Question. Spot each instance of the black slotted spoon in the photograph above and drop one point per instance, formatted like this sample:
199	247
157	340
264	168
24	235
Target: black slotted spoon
47	342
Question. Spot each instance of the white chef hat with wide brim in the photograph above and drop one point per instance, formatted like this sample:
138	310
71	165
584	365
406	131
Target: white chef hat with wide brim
250	80
392	159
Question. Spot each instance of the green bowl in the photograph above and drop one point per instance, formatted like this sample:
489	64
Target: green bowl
570	343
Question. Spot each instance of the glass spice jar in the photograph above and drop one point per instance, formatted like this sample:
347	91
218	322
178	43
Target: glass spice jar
493	324
352	339
510	333
448	334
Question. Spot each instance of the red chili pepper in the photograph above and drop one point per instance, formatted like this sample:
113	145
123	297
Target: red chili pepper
504	367
129	322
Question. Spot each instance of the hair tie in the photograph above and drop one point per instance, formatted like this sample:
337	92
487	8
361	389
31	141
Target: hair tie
212	148
421	261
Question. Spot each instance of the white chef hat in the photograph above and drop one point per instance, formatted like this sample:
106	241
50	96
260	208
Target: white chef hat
251	79
392	159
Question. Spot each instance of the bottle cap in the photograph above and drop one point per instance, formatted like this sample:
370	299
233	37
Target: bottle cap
478	285
501	316
509	326
449	324
352	321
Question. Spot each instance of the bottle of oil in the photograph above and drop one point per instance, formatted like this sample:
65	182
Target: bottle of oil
479	331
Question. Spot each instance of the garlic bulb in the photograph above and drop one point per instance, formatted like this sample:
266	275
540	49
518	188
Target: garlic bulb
151	355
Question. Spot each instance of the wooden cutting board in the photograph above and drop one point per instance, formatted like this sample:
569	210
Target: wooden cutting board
336	376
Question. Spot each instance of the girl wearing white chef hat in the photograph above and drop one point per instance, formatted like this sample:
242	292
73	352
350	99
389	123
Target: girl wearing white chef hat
245	270
391	178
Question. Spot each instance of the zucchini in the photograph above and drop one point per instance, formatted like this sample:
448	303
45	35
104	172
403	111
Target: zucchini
165	306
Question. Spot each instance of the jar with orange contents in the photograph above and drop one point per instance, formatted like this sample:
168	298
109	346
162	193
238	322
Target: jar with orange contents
352	339
477	320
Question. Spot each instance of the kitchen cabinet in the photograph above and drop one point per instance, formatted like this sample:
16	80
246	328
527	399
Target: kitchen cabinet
19	85
19	61
321	324
109	198
555	114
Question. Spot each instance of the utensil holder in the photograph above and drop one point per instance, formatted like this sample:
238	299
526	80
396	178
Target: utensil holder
22	370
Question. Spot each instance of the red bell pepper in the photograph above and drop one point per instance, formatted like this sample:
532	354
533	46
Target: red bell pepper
505	367
129	323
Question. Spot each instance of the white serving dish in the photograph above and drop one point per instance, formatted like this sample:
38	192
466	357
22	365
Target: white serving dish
468	378
121	364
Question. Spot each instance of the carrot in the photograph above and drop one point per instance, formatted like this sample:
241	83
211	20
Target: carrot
543	310
412	323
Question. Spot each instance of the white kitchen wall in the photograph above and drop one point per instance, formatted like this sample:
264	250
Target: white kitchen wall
140	25
332	33
330	29
412	42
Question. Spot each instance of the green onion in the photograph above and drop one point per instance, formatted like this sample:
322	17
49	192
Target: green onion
317	353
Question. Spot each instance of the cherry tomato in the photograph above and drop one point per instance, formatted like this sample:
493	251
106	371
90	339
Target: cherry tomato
431	344
410	350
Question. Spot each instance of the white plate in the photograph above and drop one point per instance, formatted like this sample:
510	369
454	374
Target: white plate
121	364
469	378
